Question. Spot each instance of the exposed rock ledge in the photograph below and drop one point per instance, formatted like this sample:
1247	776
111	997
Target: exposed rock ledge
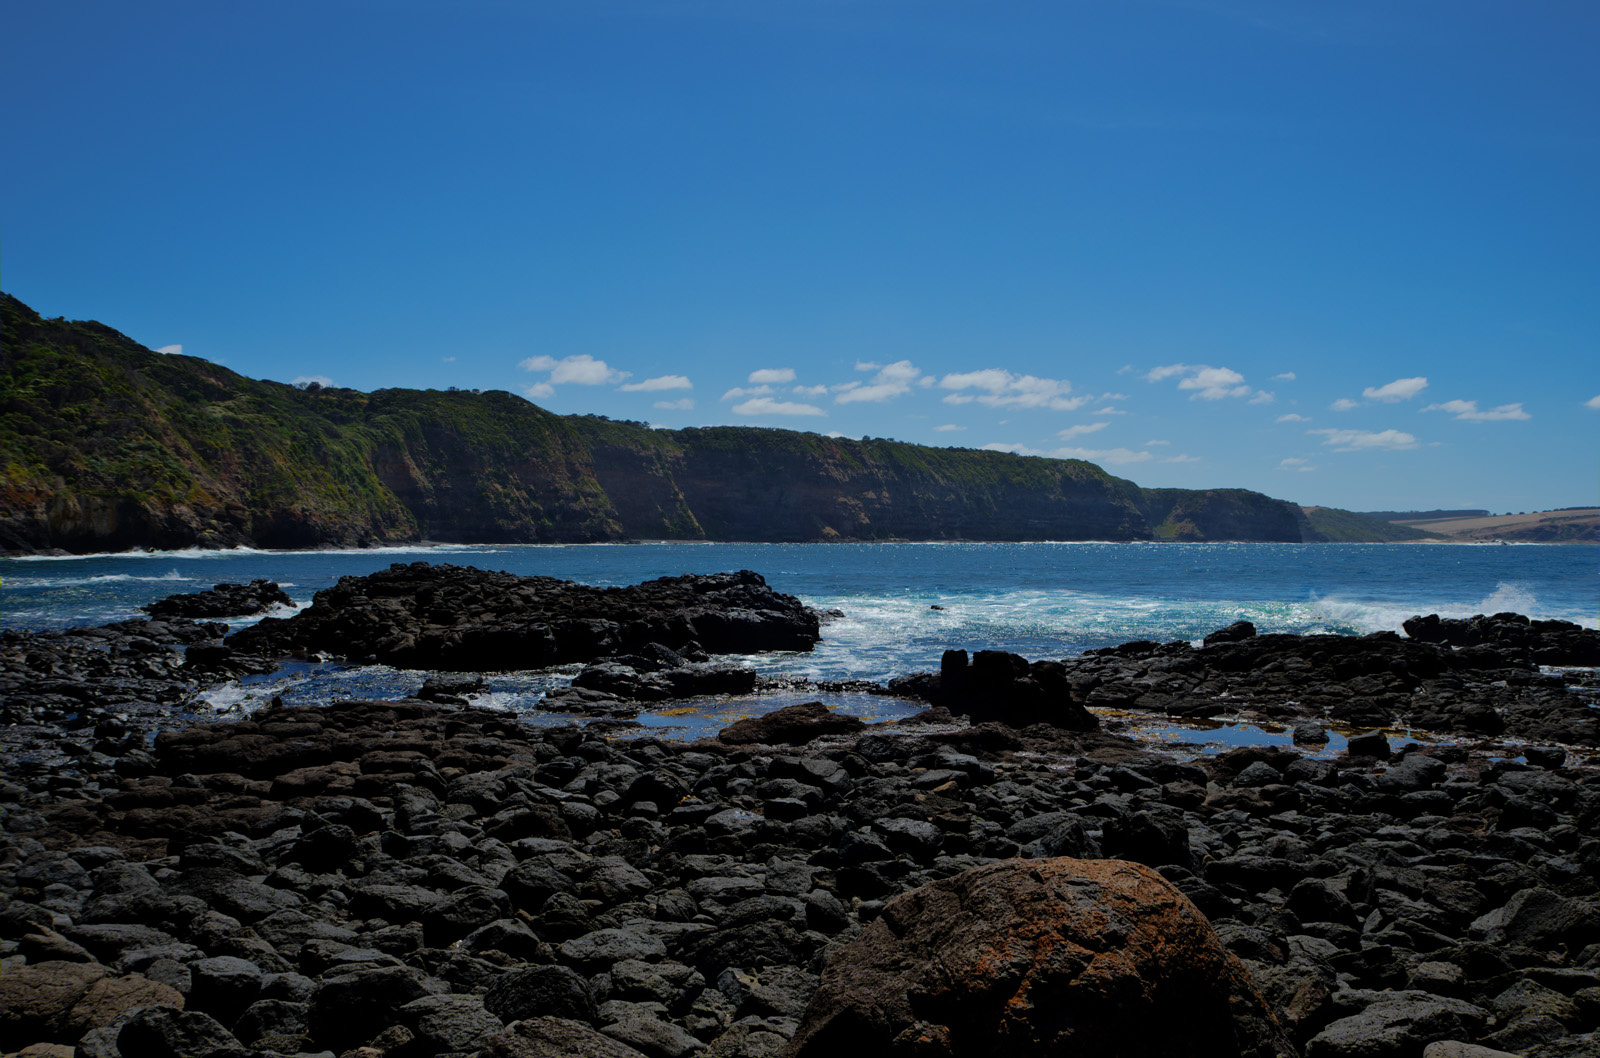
460	619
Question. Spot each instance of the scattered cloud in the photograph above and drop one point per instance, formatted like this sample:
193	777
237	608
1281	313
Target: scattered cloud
660	382
171	350
999	388
580	370
1182	458
771	376
891	380
305	380
1287	376
539	391
768	406
1363	440
1292	417
448	359
738	392
950	427
1082	428
1207	382
1398	390
1147	444
1296	464
1592	402
1263	397
1345	404
810	391
1109	410
683	404
1468	410
1117	456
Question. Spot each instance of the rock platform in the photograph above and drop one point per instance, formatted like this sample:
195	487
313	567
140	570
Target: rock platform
417	878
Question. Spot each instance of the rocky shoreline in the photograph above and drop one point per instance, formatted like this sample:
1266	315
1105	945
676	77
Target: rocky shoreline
417	877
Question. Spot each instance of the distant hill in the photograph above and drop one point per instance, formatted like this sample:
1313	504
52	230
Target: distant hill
107	445
1331	525
1569	525
1418	516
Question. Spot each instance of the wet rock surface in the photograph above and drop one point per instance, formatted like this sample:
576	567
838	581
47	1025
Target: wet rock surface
457	618
222	600
1490	686
422	877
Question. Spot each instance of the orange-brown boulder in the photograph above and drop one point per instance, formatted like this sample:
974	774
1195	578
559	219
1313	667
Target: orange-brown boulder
1024	958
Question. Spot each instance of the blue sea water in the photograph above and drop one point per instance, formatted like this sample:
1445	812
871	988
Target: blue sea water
900	605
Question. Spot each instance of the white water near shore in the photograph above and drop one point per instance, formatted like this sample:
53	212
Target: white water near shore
894	607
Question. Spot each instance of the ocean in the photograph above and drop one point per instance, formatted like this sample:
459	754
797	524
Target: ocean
898	606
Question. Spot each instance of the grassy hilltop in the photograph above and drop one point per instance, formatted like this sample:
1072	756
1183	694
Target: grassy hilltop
107	445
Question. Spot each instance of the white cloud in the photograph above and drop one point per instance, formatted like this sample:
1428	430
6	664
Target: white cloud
1001	388
1108	410
835	434
892	380
1082	428
1263	397
652	385
768	406
1292	417
1399	389
1207	382
949	427
1113	396
683	404
1468	410
581	370
1345	404
1115	456
539	391
746	391
1362	440
810	391
771	376
1296	464
305	380
1147	444
171	350
1183	458
926	381
1592	402
1287	376
448	359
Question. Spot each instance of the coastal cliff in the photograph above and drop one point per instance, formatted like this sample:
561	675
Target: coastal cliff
107	445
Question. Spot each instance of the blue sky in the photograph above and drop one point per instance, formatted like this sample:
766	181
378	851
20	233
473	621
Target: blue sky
1344	253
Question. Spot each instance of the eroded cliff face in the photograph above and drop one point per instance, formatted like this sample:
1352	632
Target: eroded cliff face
107	445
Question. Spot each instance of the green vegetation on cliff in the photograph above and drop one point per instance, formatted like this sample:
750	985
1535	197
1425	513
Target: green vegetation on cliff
1331	525
105	445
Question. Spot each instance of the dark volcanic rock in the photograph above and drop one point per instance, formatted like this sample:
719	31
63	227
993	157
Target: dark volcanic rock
223	600
1545	642
1039	957
457	618
996	685
793	724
